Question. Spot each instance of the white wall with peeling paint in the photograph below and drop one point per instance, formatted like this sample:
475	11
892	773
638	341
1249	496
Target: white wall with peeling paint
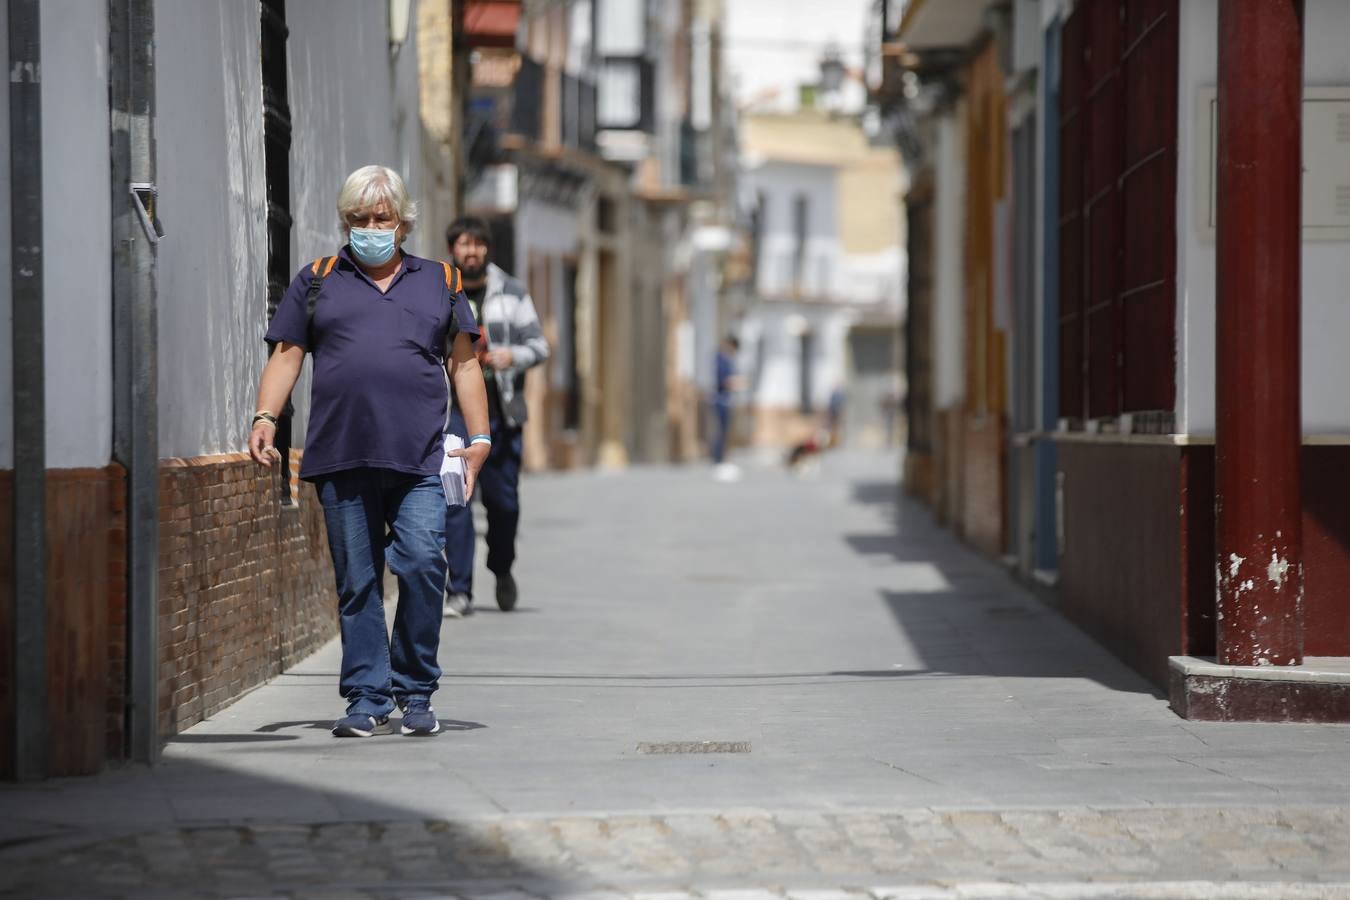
212	200
1326	265
353	102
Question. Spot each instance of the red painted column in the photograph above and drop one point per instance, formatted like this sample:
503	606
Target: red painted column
1258	429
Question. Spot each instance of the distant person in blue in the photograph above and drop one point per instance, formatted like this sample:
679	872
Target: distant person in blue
726	384
385	329
512	342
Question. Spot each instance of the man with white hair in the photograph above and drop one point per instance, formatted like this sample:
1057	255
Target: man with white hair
385	328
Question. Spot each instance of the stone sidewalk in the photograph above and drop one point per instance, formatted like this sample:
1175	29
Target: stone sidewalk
916	853
905	722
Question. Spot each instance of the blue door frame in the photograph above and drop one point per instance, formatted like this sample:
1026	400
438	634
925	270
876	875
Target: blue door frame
1046	528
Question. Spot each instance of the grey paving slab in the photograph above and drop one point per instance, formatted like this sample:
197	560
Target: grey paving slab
915	720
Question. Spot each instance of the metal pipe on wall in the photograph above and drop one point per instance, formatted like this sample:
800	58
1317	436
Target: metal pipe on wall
131	88
31	729
1259	430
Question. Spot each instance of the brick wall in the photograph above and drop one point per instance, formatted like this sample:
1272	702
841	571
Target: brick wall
246	583
948	468
917	476
85	628
246	590
983	490
116	585
85	536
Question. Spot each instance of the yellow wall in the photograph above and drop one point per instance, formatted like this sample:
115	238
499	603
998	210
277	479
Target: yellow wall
986	153
869	204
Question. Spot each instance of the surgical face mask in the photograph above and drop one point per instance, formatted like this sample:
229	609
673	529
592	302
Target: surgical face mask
374	246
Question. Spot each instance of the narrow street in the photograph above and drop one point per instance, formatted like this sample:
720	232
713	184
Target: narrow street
896	717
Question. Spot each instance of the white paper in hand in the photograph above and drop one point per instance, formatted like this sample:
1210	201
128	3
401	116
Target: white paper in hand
452	473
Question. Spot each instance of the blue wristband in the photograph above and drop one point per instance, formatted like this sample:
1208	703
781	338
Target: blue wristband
480	439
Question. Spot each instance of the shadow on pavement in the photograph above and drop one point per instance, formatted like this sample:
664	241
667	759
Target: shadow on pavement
327	724
982	622
192	828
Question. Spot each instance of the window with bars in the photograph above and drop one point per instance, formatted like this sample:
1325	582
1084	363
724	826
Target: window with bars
1117	215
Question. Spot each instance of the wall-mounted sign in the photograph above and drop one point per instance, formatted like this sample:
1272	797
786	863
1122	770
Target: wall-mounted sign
1326	163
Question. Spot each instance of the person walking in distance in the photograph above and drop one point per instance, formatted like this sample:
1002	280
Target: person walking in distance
512	342
726	383
385	329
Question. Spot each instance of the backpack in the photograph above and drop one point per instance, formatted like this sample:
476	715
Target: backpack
320	268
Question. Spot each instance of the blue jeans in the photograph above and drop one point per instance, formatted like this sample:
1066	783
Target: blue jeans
721	426
499	487
374	516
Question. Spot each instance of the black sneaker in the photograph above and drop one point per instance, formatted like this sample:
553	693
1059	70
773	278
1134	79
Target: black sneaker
362	725
420	719
506	592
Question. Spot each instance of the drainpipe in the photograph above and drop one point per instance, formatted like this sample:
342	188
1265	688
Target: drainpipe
1258	433
30	734
136	232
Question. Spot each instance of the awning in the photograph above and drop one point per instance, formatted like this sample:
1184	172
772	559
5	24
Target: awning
491	23
930	24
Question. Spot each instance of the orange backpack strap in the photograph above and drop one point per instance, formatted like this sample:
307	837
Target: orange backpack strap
452	278
453	285
320	269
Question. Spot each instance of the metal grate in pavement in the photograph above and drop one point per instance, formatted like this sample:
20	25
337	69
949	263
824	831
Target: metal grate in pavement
694	747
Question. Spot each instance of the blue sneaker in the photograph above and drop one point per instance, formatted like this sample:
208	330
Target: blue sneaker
419	718
362	725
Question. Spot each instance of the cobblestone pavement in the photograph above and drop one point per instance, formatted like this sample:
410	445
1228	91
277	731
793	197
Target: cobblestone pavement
896	718
1158	852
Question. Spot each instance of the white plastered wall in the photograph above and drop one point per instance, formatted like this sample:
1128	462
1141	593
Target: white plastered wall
781	183
542	228
772	328
553	231
76	237
772	331
949	296
1326	265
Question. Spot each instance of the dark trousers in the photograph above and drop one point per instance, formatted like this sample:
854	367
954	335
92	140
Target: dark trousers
499	487
721	429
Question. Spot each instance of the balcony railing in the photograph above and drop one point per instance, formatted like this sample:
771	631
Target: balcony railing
527	100
509	97
578	113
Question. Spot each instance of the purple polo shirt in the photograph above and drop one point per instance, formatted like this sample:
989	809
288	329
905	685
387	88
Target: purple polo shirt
379	391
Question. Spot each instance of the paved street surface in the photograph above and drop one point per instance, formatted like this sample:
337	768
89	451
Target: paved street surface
782	687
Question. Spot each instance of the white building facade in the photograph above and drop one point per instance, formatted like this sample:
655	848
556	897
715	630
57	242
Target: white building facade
829	270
